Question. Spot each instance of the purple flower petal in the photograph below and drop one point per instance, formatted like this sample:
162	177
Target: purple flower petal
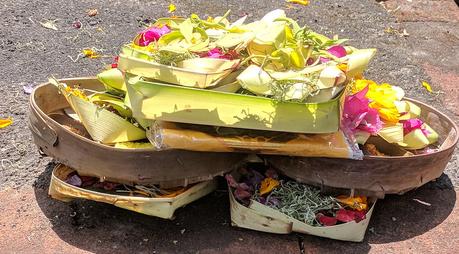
28	89
74	180
262	200
371	123
273	201
323	59
243	186
256	178
231	182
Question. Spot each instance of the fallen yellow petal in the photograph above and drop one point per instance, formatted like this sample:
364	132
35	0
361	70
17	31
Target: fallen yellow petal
267	185
427	86
172	8
90	53
302	2
5	122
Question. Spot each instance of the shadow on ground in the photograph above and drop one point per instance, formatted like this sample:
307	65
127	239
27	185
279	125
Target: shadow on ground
204	226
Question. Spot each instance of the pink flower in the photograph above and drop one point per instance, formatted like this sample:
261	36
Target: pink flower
357	115
215	53
152	34
413	124
218	53
337	50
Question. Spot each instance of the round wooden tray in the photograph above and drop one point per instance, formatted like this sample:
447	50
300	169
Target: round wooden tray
376	175
172	168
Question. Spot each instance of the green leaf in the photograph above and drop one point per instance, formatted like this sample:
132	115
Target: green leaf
186	29
168	38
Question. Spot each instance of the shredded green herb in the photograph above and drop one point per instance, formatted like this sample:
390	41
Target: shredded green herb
300	201
171	58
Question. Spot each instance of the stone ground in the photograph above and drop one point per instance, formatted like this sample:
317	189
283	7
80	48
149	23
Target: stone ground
31	222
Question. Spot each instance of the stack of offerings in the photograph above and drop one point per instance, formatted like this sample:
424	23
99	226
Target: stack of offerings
188	97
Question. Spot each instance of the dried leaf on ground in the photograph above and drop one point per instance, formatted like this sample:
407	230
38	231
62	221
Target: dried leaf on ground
92	12
49	24
302	2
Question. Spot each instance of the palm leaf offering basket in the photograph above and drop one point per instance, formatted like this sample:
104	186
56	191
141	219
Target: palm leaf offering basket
260	217
150	100
158	207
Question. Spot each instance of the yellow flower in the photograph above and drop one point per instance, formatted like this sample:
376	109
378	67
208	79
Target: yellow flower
382	98
172	8
388	114
76	92
267	185
358	203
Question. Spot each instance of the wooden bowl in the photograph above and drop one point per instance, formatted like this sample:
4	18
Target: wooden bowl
51	133
375	175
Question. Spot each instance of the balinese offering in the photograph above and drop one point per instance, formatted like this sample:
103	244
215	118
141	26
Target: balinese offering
189	97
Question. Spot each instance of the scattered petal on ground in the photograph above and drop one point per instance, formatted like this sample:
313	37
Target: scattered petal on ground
49	24
302	2
90	53
76	24
28	88
172	8
5	122
427	86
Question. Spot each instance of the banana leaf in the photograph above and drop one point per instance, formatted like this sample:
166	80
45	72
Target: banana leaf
103	126
112	79
167	135
114	102
392	133
260	82
156	101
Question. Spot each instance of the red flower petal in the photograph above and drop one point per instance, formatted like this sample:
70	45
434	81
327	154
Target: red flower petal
326	220
344	215
359	216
